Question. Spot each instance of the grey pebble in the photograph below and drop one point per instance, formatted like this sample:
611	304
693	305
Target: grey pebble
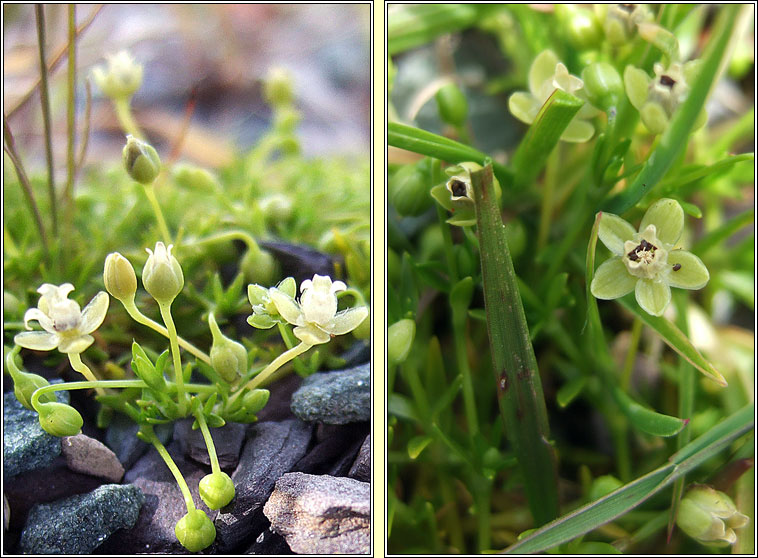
338	397
87	455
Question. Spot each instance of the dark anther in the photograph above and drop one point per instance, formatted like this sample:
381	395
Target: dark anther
677	267
667	81
458	188
633	255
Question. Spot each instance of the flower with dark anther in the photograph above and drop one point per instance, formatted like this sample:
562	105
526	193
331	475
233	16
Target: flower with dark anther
162	275
315	317
216	490
658	98
66	327
195	530
709	516
547	74
457	194
121	78
646	262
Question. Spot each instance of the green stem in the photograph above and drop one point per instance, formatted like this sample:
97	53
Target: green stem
140	318
273	366
45	98
174	343
208	440
519	389
70	123
76	363
126	118
631	355
546	212
150	193
175	471
461	359
235	234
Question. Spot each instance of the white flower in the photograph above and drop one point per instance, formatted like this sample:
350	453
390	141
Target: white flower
121	78
66	327
316	317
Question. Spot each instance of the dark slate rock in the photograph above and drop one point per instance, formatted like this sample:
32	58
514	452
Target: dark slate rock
269	543
358	353
321	514
79	524
335	450
271	450
163	507
278	406
227	440
26	447
338	397
45	485
298	261
121	437
361	469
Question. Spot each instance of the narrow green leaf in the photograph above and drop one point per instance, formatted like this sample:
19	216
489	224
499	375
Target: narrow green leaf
675	138
440	147
401	406
723	232
696	172
519	390
617	503
570	390
543	135
645	419
418	444
675	339
450	393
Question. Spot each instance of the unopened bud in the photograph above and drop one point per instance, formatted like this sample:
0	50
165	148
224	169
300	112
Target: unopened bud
195	531
603	85
162	275
709	516
122	77
278	87
119	277
216	490
399	340
452	105
141	160
228	358
59	419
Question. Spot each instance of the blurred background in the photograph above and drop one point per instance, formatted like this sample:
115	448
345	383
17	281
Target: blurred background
216	54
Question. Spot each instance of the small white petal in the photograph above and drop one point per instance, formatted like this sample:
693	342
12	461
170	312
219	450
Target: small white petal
348	320
38	315
613	232
668	217
94	313
612	280
286	306
337	287
37	340
311	335
652	296
76	344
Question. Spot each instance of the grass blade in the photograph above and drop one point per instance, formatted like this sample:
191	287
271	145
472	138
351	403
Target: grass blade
629	496
522	404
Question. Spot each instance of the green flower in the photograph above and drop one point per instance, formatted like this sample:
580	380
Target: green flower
645	262
547	74
121	78
658	98
710	516
620	21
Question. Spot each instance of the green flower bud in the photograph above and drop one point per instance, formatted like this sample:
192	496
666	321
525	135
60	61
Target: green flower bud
59	419
408	190
276	207
709	516
258	266
25	383
603	486
119	278
603	85
452	105
162	275
141	160
195	531
277	88
216	490
196	178
228	358
581	26
399	340
254	401
122	77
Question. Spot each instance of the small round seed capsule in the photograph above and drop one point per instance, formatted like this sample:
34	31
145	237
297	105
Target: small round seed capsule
216	490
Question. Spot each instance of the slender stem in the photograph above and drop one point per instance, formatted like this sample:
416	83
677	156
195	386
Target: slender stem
626	374
273	366
39	11
208	440
235	234
126	118
76	363
140	318
461	359
71	113
26	187
150	193
85	127
548	188
175	471
174	343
